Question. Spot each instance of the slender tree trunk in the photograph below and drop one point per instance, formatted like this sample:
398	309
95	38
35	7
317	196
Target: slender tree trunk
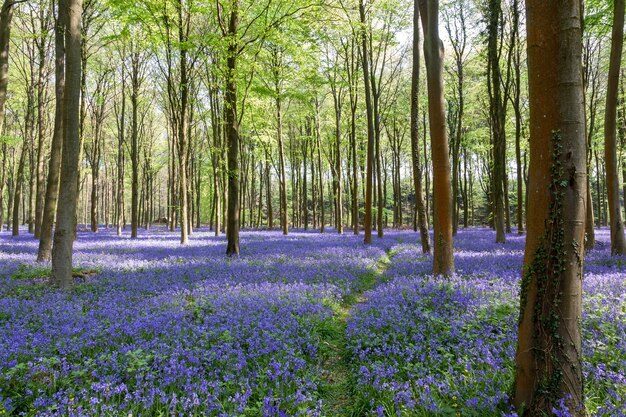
41	133
415	145
518	118
17	196
54	166
443	261
2	182
618	240
268	179
370	127
6	15
549	366
134	143
318	136
337	177
496	112
281	161
232	130
183	139
68	195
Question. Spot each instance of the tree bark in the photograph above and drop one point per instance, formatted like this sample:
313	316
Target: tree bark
548	358
42	96
370	128
618	240
183	139
17	195
6	15
54	166
443	260
415	142
496	113
68	195
232	131
276	67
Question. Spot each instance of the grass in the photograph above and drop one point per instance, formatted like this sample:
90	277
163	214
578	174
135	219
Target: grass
337	390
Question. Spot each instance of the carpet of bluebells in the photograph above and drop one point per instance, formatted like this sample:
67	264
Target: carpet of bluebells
153	328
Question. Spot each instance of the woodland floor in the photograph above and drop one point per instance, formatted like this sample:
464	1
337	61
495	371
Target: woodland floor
307	324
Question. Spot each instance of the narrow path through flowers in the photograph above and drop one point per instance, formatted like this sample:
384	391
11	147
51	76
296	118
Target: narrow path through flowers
337	390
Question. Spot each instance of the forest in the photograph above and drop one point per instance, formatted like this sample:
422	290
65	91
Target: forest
312	208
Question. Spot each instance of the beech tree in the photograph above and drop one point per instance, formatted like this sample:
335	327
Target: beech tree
548	359
443	261
56	149
618	240
68	194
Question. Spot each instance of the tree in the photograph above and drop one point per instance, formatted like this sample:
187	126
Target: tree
98	105
370	127
457	33
54	166
68	195
618	240
497	113
443	261
415	145
6	15
548	359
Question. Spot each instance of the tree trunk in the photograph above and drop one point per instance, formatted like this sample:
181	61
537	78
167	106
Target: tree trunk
41	136
370	128
281	161
337	177
548	358
415	145
54	166
183	140
68	196
232	130
443	260
3	172
17	195
496	113
518	118
6	15
618	240
135	83
318	136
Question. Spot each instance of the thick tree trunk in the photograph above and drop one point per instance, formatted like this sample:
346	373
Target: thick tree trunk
443	260
54	165
618	240
415	144
548	359
68	196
